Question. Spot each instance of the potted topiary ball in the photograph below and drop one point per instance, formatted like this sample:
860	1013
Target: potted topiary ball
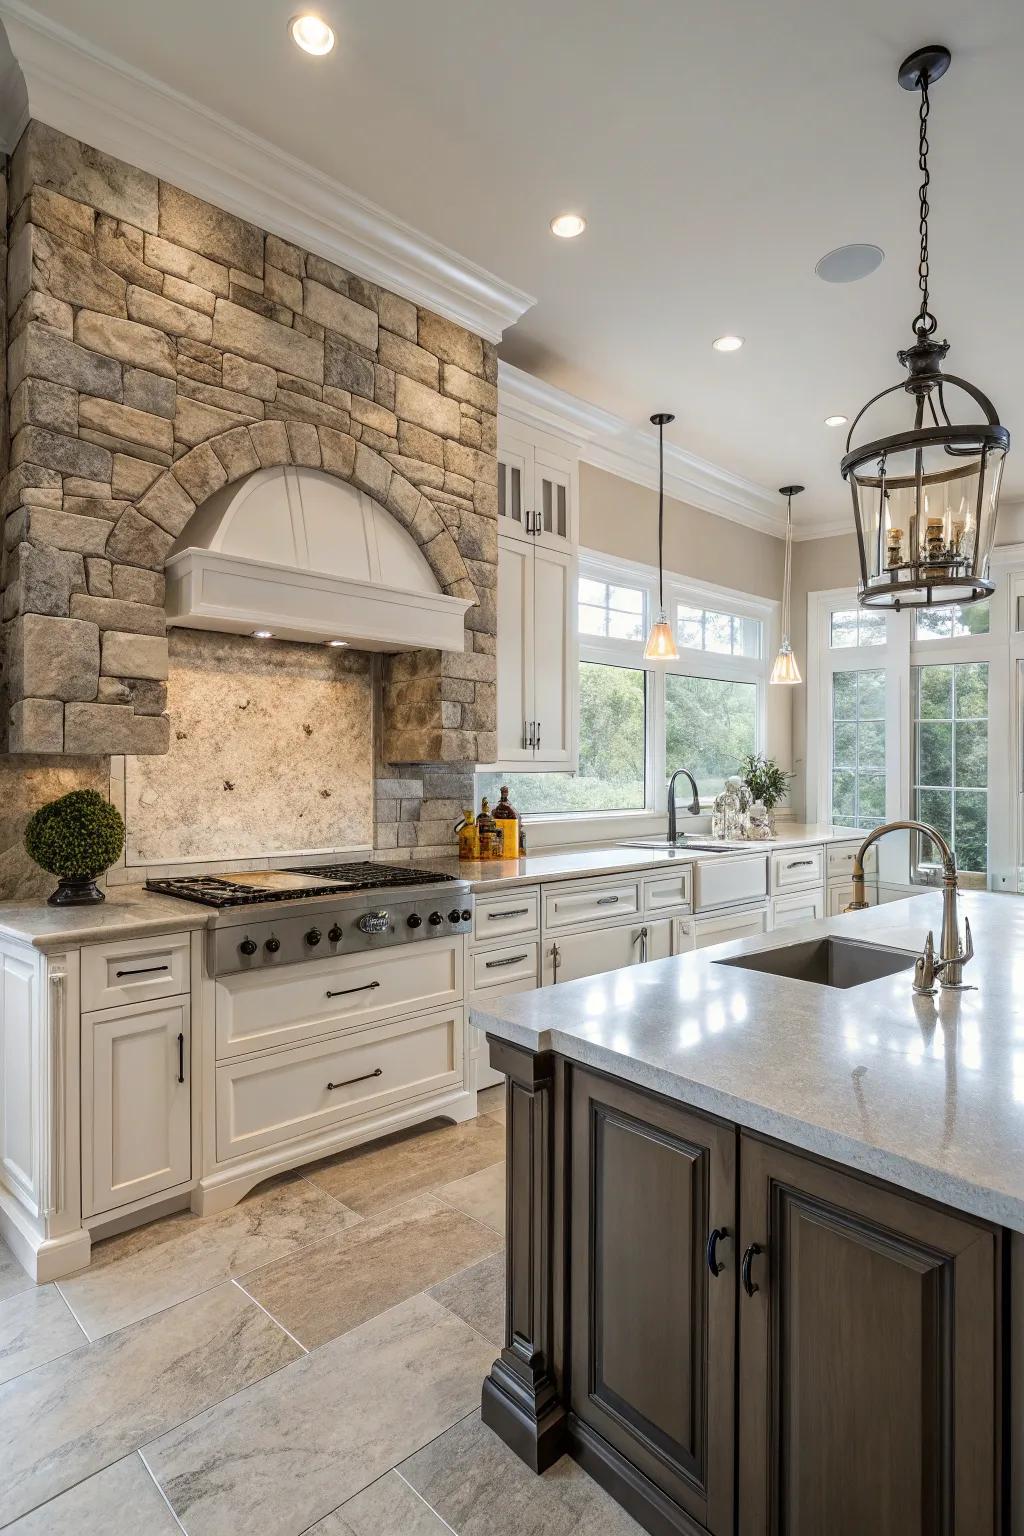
76	838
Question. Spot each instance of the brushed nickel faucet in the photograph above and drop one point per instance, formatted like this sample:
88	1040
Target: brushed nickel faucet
953	954
693	807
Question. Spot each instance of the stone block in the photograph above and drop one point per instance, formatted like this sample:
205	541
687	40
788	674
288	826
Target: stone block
125	422
41	580
67	530
60	216
66	273
282	288
236	453
285	257
114	730
123	445
372	415
54	658
98	577
371	473
470	463
421	474
36	725
164	315
240	279
203	373
199	473
105	508
126	655
450	342
427	524
133	585
38	403
405	357
290	406
402	500
132	477
178	262
150	392
459	486
237	329
112	613
46	157
347	369
250	378
194	422
485	497
416	403
384	386
44	310
248	298
193	297
303	443
363	292
327	273
42	353
337	451
270	440
134	540
339	313
212	232
169	503
53	450
297	386
397	315
442	554
130	342
416	443
460	385
120	246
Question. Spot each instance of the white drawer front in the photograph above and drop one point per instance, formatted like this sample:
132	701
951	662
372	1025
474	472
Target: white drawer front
669	891
721	881
585	902
513	962
794	868
840	857
275	1098
499	917
134	971
260	1009
802	907
730	925
684	935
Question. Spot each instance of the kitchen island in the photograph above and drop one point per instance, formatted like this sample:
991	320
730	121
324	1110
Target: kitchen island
764	1235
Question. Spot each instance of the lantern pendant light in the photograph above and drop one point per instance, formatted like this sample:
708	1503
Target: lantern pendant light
925	500
661	642
785	669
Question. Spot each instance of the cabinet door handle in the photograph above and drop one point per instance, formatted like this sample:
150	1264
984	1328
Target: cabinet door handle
489	965
556	960
511	912
143	970
714	1237
750	1286
181	1057
801	864
537	724
377	1072
607	901
368	986
641	939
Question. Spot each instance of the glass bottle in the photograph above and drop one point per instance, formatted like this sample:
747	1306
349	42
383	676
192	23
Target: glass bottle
487	832
508	825
469	840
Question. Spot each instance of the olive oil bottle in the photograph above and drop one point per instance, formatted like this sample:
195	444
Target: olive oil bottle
508	825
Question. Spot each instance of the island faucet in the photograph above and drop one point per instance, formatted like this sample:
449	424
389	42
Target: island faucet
953	955
693	807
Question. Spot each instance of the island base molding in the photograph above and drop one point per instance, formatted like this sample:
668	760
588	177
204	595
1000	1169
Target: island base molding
729	1334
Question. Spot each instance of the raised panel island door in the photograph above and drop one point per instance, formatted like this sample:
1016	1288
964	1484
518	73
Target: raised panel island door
652	1330
868	1344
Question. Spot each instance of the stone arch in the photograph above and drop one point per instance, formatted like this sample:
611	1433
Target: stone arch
177	492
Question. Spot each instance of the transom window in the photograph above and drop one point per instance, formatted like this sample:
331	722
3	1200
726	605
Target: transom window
610	610
724	634
952	623
856	626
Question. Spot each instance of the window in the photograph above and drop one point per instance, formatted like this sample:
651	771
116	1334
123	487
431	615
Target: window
952	623
950	789
613	739
710	726
856	626
609	610
858	748
724	634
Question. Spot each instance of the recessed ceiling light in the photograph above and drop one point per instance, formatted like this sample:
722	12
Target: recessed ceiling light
568	225
263	634
337	643
727	343
849	263
311	34
836	421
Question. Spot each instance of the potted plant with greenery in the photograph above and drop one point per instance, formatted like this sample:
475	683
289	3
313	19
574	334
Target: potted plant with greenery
76	838
768	784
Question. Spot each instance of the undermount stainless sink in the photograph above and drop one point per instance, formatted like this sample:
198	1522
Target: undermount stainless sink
681	845
828	962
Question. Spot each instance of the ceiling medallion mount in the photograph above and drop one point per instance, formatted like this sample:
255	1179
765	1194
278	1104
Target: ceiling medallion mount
661	642
785	669
926	499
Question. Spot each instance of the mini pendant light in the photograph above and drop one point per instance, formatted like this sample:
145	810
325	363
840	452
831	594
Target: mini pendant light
661	642
785	669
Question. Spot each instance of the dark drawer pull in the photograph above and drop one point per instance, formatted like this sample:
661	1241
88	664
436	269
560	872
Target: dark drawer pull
512	912
750	1286
181	1058
377	1072
143	970
367	987
489	965
802	864
607	901
712	1249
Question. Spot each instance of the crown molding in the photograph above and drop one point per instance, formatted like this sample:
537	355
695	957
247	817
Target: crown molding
108	104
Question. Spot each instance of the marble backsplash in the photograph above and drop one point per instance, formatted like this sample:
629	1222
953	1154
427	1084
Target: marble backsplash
271	752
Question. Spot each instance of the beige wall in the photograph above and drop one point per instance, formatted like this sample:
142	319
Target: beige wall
818	565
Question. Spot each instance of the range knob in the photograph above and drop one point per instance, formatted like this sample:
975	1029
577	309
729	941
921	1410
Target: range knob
248	946
313	937
272	945
454	915
414	920
466	914
435	919
334	934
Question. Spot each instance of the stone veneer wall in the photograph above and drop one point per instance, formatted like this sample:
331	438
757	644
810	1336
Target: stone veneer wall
160	347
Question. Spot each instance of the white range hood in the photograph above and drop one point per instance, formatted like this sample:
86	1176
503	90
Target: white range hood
308	557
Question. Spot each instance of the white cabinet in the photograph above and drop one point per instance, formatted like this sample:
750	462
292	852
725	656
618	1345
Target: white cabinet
798	907
573	902
574	955
136	1119
794	869
536	489
537	647
746	923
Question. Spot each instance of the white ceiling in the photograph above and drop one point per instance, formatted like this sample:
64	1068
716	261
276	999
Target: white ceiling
717	151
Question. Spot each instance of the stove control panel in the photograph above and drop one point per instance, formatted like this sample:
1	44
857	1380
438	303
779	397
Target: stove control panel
249	942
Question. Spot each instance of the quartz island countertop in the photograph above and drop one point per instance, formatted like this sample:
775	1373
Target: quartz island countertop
926	1093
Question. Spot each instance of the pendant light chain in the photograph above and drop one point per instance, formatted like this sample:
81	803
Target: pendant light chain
926	322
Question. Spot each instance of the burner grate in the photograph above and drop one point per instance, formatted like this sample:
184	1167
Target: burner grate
373	877
213	891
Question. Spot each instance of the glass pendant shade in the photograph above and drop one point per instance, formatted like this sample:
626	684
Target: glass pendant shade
785	669
661	642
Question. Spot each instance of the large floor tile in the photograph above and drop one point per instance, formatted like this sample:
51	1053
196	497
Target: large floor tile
481	1488
281	1455
35	1326
335	1285
141	1272
66	1420
481	1195
122	1500
370	1179
491	1102
389	1507
12	1277
477	1295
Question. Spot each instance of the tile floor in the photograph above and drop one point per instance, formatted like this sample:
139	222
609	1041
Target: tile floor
307	1362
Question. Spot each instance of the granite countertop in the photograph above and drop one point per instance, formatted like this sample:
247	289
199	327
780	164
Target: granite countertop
927	1093
130	911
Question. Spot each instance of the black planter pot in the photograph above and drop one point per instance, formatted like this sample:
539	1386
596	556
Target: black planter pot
76	891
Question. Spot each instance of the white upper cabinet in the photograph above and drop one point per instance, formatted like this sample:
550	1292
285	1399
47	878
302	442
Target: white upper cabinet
536	488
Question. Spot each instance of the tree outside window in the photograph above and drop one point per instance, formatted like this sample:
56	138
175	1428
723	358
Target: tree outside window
710	727
950	790
858	748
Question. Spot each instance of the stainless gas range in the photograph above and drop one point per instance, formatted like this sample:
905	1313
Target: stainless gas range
267	918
